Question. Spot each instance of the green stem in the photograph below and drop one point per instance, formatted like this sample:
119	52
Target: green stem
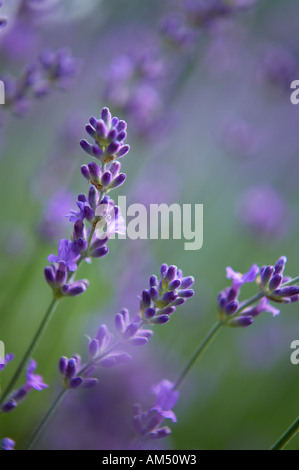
203	345
45	419
31	349
287	436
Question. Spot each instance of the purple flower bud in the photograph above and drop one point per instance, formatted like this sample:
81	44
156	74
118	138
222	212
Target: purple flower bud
88	213
121	136
112	148
94	348
71	368
160	433
124	149
242	321
275	281
153	281
167	311
231	307
163	270
288	291
106	116
138	340
187	282
118	181
100	252
90	383
178	301
97	152
106	178
85	172
186	293
62	365
171	273
267	275
174	284
86	147
9	406
169	297
280	265
101	129
91	131
131	330
82	245
93	197
112	135
61	274
160	319
122	126
145	299
115	168
150	313
119	322
95	171
50	275
154	293
76	382
75	289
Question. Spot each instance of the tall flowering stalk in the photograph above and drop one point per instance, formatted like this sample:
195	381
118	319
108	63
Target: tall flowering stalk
96	220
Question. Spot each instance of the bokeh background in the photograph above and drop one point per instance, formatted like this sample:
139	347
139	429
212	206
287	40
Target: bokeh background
210	121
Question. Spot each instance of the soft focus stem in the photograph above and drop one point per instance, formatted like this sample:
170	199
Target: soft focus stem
30	349
287	436
203	345
45	419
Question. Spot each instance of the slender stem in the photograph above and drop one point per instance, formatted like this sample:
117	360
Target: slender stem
30	349
45	419
212	333
287	436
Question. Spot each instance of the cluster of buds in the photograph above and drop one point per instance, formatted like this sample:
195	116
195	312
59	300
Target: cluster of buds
273	286
109	134
272	283
33	381
53	69
71	375
163	296
103	180
148	423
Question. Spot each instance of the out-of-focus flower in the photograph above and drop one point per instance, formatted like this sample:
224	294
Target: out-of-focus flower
263	211
163	296
69	370
7	444
279	67
273	286
53	223
33	381
8	358
148	424
53	69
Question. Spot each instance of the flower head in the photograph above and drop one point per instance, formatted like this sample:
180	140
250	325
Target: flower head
68	254
34	380
109	134
8	358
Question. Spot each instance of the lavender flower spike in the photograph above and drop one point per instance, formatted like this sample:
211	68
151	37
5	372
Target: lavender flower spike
109	134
